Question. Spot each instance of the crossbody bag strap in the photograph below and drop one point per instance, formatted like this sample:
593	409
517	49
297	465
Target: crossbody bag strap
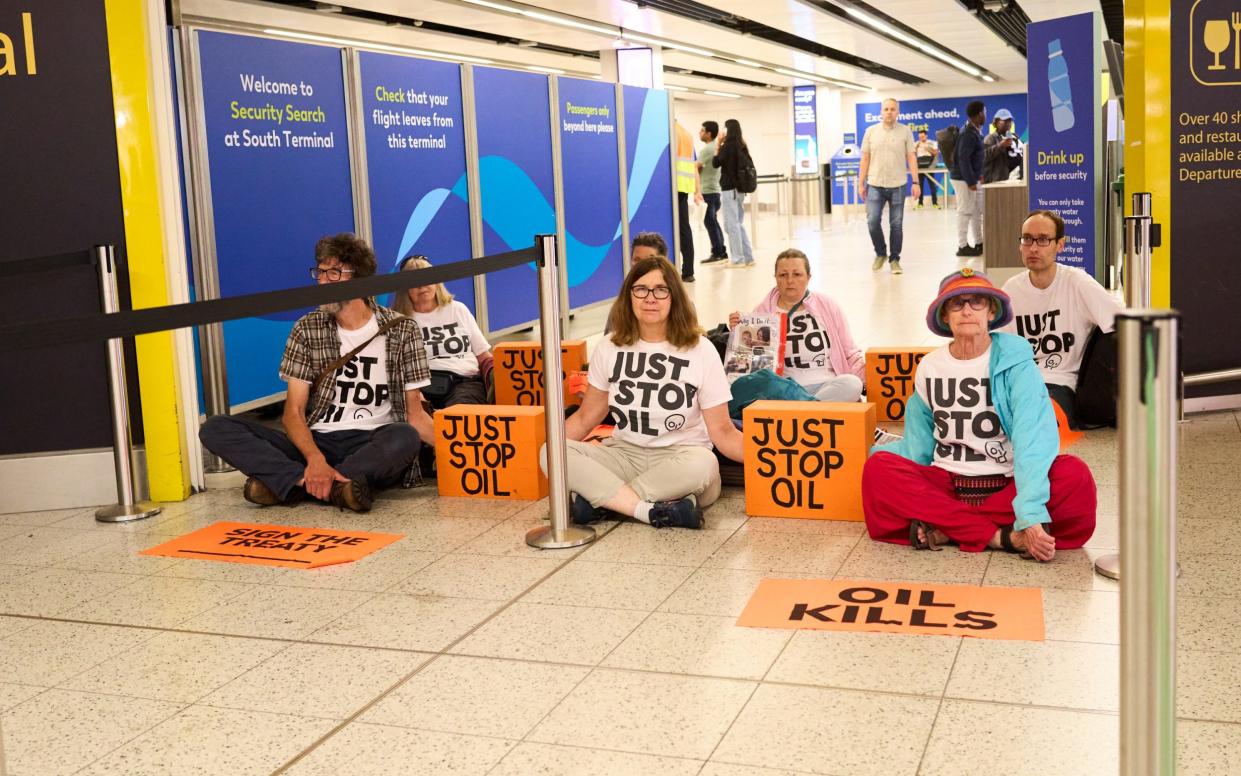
345	359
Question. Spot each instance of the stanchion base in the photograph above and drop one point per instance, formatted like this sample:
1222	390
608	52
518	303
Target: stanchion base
544	537
219	468
120	513
1109	566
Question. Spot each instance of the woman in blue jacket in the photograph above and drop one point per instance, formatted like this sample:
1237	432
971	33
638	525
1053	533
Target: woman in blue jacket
979	464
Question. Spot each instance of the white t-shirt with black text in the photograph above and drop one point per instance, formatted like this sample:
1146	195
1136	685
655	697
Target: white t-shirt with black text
361	400
1057	320
968	436
807	350
452	339
657	392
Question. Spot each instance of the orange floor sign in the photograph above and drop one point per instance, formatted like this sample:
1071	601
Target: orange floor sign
1013	613
273	545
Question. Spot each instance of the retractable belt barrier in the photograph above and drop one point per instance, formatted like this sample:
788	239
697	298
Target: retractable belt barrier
128	323
16	267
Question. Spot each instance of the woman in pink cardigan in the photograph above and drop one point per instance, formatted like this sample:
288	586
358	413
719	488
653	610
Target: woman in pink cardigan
819	353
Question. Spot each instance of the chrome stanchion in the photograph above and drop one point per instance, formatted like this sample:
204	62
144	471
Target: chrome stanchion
1148	374
559	534
122	451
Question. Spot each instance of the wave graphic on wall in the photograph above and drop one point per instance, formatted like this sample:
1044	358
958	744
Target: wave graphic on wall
516	209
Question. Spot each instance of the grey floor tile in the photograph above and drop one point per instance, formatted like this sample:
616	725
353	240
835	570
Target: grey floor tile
1206	686
885	662
609	585
44	546
1082	615
726	514
672	716
202	740
638	543
829	731
549	760
120	556
49	652
176	667
705	645
13	694
477	696
1049	673
47	592
1208	535
1207	749
880	560
726	769
60	732
317	680
509	538
796	525
38	518
380	750
720	591
1069	570
424	623
820	554
1210	624
435	533
157	602
567	634
278	612
1210	576
489	577
1068	743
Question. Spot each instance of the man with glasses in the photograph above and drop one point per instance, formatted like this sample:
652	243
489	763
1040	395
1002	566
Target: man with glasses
353	418
1055	307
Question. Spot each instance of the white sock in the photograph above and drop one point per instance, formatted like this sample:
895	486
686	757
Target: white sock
643	511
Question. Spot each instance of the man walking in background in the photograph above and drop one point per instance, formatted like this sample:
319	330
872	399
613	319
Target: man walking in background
709	180
925	152
887	157
967	178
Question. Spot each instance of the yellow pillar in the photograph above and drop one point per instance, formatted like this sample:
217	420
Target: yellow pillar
1148	125
132	97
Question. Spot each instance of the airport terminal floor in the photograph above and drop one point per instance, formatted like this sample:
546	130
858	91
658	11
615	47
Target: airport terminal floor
461	650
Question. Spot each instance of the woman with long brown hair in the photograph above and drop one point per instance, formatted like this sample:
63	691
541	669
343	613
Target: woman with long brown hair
664	385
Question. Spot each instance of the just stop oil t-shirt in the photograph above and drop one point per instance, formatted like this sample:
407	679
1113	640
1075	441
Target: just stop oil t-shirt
657	392
968	437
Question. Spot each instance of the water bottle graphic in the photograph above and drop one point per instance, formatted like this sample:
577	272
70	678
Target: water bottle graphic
1058	85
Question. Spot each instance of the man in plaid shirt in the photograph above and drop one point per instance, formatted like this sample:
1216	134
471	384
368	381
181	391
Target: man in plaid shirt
348	432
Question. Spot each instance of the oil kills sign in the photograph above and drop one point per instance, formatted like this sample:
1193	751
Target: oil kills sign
1010	613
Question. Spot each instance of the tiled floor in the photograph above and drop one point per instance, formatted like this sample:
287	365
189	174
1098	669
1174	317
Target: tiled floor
459	650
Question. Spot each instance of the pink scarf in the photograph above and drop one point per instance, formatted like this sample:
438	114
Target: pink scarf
846	356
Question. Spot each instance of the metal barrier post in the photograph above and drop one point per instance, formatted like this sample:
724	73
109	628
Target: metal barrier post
122	451
559	534
1148	367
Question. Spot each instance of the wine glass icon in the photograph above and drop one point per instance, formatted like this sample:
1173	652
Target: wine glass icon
1216	36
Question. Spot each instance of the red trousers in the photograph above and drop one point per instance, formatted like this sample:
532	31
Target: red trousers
896	490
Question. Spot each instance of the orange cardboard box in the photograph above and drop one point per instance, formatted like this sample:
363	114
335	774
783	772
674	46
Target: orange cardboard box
486	451
805	458
519	371
890	380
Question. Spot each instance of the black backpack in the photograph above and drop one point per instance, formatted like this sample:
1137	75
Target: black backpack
1096	382
947	140
747	176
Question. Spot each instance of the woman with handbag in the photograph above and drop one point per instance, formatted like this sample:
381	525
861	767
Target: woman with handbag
732	156
457	352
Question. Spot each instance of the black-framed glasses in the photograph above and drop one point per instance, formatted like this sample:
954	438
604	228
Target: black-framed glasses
659	292
957	303
1041	242
331	273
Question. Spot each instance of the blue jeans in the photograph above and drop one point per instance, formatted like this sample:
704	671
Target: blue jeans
712	223
876	196
734	225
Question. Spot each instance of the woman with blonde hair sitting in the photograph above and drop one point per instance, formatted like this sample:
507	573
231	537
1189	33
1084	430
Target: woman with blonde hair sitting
458	354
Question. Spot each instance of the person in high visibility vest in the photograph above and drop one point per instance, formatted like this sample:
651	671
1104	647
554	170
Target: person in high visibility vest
687	184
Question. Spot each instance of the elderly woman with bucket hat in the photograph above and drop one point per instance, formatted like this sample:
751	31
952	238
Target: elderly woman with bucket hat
978	465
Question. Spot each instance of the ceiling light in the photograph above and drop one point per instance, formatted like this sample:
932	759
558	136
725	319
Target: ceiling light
747	62
378	46
566	22
672	88
729	95
496	6
987	78
892	32
666	44
796	74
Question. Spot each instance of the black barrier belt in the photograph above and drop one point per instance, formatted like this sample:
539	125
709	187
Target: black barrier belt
129	323
9	269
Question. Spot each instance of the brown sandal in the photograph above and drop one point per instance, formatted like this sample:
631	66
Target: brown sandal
925	543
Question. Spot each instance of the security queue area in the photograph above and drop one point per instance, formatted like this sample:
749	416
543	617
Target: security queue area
448	411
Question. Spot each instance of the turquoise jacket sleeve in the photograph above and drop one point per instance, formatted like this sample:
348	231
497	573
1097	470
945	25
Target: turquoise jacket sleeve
919	441
1031	427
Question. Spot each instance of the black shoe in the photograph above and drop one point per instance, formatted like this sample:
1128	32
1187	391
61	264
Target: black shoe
965	250
714	259
689	279
682	513
354	495
257	493
581	512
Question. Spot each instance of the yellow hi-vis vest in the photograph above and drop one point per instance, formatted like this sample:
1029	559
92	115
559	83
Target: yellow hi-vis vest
686	169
